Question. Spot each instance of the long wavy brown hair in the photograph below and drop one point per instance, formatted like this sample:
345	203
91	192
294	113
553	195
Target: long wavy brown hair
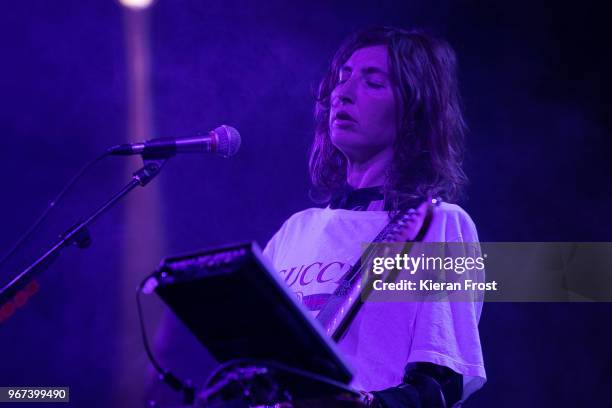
428	150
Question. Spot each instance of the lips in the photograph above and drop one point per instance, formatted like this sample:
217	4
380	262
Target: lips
343	116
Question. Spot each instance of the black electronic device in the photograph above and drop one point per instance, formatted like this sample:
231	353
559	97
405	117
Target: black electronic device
239	308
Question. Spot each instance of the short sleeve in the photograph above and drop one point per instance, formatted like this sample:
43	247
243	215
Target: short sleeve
446	331
273	248
270	248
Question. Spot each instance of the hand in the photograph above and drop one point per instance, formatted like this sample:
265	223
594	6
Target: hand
367	398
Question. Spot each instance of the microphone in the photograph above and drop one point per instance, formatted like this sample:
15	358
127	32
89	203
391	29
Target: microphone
223	141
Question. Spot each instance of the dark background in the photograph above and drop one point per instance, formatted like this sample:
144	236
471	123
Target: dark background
534	79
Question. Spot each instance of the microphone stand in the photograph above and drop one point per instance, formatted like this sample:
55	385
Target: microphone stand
78	234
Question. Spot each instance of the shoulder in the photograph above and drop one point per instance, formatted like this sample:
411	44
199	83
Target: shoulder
301	218
454	223
308	213
298	219
296	224
450	210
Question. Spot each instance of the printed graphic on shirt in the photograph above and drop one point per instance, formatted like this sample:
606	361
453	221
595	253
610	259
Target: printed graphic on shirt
314	283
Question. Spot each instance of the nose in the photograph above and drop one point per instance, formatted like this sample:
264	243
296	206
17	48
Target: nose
344	93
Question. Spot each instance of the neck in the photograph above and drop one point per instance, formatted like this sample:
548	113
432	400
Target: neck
369	172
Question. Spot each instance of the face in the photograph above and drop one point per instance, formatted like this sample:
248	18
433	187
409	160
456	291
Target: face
362	120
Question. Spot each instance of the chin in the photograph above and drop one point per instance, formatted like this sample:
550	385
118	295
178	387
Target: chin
349	143
343	139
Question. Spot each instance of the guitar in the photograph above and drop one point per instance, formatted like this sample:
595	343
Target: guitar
408	227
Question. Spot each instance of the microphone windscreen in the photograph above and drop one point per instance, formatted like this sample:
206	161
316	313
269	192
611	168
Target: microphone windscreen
228	141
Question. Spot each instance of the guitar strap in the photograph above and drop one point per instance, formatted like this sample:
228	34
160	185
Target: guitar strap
338	300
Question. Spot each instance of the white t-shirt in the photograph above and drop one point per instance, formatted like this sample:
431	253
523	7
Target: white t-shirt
314	248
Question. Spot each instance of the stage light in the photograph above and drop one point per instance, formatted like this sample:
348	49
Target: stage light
136	4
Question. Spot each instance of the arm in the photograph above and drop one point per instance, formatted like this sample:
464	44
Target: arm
425	385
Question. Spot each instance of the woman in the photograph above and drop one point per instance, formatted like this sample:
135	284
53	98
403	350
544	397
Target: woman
389	134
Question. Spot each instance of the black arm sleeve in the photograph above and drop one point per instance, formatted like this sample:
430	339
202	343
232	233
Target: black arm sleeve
426	385
404	396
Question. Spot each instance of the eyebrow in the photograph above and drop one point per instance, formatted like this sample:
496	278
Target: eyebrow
366	70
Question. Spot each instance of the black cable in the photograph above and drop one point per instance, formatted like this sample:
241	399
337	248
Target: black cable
50	207
166	376
211	387
272	364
